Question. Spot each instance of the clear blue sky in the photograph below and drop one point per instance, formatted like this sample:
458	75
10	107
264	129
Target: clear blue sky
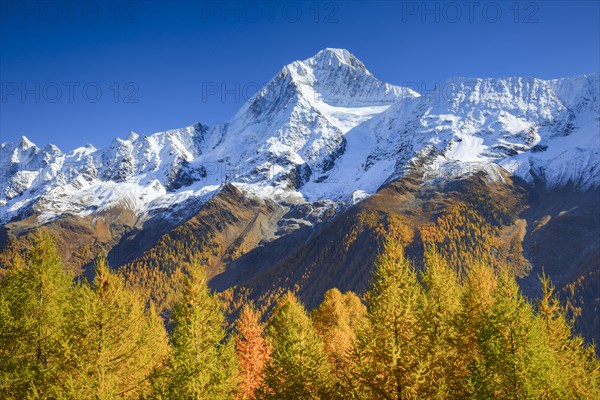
152	59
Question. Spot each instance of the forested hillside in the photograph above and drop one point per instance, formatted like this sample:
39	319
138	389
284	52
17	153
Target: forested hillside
441	331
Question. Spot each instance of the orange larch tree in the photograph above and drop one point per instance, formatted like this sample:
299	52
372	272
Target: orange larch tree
253	351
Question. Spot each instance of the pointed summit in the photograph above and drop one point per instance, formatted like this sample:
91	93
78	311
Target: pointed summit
25	143
334	58
332	76
336	77
52	149
132	136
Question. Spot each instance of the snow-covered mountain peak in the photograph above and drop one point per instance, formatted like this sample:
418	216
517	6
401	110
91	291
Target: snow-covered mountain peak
336	77
529	97
22	151
50	148
579	93
25	143
331	78
533	128
132	136
88	148
330	58
293	129
323	129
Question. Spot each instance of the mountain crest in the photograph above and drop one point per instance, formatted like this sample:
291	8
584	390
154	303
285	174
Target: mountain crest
338	78
25	143
322	129
331	58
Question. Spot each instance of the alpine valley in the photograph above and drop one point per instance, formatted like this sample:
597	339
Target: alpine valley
299	189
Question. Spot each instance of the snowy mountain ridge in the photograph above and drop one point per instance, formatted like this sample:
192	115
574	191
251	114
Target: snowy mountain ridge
323	129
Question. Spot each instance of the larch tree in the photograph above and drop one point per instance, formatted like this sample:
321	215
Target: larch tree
514	358
387	363
439	306
576	372
33	297
113	340
204	363
253	351
298	367
336	320
476	300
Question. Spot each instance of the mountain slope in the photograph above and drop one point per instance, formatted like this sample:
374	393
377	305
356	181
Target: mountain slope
297	188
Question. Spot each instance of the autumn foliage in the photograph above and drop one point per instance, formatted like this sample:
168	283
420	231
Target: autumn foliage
253	351
457	327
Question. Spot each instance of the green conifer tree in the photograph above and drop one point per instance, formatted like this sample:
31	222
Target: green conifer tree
440	305
33	296
113	341
298	368
477	297
514	358
576	372
204	364
387	359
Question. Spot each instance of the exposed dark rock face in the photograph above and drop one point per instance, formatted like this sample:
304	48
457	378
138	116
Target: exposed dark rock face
183	174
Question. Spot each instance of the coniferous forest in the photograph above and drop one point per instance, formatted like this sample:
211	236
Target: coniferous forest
439	331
